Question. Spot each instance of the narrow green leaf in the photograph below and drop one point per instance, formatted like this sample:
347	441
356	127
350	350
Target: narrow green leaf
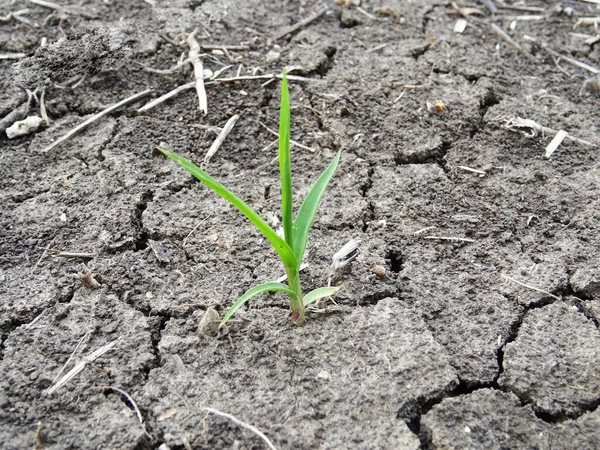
315	295
281	247
308	210
285	164
265	287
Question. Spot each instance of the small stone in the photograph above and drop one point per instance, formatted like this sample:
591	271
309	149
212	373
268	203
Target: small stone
23	127
209	324
323	375
273	57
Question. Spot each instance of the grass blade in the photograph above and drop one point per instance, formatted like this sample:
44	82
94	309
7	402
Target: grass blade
315	295
308	210
265	287
281	247
285	164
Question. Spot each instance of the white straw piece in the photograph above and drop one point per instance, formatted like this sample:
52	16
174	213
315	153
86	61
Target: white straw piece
553	145
94	118
12	55
194	55
220	138
80	366
167	96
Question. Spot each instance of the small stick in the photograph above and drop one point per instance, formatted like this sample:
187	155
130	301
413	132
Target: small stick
173	69
195	228
523	18
46	4
523	8
411	86
237	421
194	55
297	144
167	96
45	252
500	32
220	138
376	48
314	16
587	21
260	77
268	146
95	118
75	255
223	47
449	238
469	169
14	15
80	366
529	286
12	55
43	111
425	230
573	62
34	321
362	11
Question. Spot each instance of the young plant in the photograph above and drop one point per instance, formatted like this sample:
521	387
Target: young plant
291	248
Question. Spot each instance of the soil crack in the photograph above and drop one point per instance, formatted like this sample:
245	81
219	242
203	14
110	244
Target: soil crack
141	240
369	214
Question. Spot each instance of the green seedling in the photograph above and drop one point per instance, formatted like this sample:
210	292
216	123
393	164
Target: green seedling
292	246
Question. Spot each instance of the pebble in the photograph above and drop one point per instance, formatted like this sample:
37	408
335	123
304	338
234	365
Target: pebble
209	324
273	57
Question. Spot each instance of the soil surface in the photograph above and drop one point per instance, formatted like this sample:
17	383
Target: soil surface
483	331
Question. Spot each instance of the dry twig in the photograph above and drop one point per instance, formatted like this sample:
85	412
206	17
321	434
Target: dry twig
167	96
194	55
528	286
260	77
12	55
275	133
220	138
314	16
449	238
500	32
95	118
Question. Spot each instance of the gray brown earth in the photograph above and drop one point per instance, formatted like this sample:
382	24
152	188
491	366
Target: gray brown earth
486	340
